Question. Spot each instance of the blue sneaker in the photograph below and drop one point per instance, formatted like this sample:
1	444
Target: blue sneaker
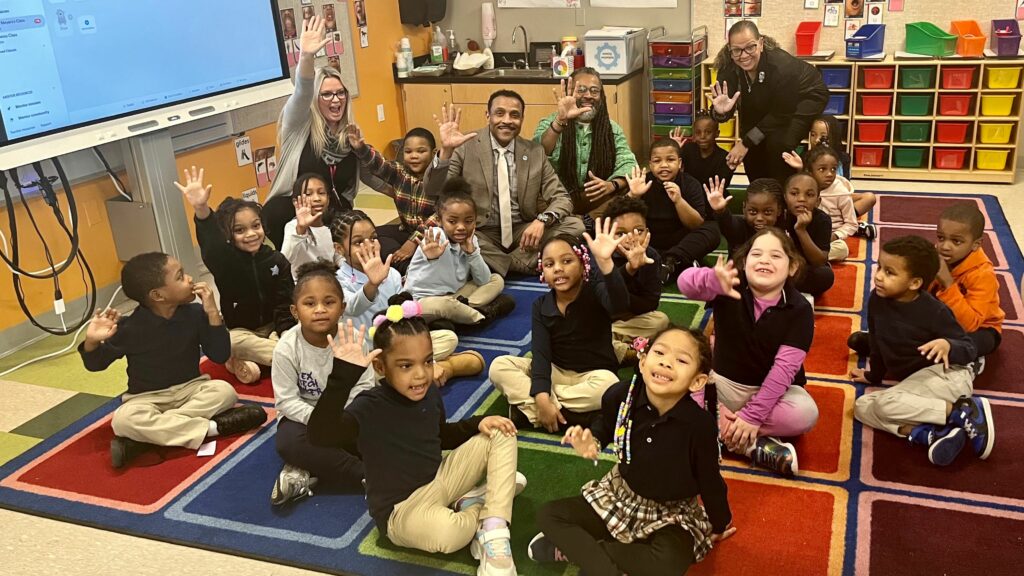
944	444
974	415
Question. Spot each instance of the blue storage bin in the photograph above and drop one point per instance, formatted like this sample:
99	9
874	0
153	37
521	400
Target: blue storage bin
867	41
674	85
836	105
836	77
673	119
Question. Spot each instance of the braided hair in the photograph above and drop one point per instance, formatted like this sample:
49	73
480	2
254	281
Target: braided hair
334	202
319	269
341	228
602	148
228	209
407	326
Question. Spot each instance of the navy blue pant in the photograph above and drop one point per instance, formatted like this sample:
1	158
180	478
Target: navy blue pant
334	468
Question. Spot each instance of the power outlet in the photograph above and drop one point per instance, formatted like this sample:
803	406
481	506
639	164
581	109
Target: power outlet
380	112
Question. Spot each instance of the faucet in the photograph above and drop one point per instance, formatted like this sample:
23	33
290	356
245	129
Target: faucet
526	44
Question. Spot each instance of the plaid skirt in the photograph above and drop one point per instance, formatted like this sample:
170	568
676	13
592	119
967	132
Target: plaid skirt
630	517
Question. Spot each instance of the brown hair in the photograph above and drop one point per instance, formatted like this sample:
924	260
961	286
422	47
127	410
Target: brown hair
723	61
788	247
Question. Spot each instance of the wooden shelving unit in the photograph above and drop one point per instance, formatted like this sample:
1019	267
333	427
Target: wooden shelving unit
915	109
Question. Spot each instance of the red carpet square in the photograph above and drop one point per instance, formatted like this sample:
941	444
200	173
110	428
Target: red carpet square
1003	368
774	516
1009	297
922	210
79	470
829	355
858	247
261	391
989	242
916	537
891	462
846	293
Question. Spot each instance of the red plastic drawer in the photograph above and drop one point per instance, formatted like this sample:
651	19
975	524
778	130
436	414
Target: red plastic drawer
955	105
950	158
951	132
958	78
872	131
878	78
876	104
868	156
670	49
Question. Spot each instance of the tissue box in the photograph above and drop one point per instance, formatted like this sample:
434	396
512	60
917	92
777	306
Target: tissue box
615	50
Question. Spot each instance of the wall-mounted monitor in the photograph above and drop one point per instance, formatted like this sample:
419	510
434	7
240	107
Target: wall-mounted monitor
78	73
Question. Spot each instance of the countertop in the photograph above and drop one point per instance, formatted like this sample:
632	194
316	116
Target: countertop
606	79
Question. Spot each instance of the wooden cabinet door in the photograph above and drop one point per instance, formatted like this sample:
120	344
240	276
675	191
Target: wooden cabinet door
421	102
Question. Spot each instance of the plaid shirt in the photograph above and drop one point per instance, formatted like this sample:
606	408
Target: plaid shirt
414	197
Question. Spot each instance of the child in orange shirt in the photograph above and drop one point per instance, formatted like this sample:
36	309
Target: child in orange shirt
966	281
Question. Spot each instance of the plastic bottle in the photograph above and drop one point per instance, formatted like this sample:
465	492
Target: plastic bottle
406	55
438	47
453	46
577	61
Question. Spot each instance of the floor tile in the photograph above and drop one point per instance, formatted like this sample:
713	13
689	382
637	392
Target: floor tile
20	402
61	415
12	445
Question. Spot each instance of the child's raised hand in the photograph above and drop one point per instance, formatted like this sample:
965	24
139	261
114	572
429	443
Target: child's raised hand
205	294
195	193
716	194
432	244
603	245
677	135
582	441
369	258
102	326
728	277
937	351
304	218
638	184
673	192
491	424
448	127
313	36
859	375
355	136
803	219
793	160
634	248
348	345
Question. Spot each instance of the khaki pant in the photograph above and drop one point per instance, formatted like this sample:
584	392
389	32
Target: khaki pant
517	258
838	250
574	391
254	345
641	325
424	520
919	399
795	413
444	343
175	416
449	307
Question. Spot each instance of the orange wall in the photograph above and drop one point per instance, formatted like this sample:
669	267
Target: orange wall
373	69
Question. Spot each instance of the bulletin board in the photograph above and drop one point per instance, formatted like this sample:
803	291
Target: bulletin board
340	45
779	19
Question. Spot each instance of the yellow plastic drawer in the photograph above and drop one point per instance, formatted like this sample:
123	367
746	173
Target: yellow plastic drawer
714	75
997	104
726	145
995	132
1003	78
727	129
992	159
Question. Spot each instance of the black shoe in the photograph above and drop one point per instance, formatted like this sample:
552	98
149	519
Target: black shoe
442	324
668	269
860	343
866	230
124	450
518	418
239	419
501	306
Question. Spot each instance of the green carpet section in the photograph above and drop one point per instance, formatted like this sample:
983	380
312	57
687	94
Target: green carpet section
61	416
12	445
65	371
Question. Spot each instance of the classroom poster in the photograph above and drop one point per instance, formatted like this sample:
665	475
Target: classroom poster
243	150
874	11
634	3
895	5
811	4
831	19
543	3
851	28
854	8
364	32
732	8
1020	9
288	23
266	165
751	8
250	195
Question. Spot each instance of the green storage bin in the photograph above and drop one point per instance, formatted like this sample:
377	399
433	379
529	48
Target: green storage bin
928	39
908	157
917	78
665	130
914	131
671	73
915	105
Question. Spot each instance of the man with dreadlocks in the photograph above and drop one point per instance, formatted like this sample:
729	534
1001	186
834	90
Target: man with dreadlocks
587	148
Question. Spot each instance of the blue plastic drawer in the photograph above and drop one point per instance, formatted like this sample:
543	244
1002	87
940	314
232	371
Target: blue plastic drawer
673	119
836	105
674	85
836	77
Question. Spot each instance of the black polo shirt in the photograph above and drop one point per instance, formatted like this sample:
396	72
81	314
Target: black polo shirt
703	169
745	349
820	231
644	287
673	456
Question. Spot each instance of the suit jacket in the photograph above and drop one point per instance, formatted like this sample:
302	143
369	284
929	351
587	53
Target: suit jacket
538	188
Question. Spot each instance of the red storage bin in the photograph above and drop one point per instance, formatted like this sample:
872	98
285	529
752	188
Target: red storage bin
868	156
876	104
958	78
807	38
949	158
878	78
670	49
951	132
872	131
955	105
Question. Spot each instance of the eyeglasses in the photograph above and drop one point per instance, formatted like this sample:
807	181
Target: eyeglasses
328	96
582	90
749	50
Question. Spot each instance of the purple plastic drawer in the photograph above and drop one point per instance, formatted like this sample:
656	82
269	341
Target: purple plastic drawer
672	108
670	61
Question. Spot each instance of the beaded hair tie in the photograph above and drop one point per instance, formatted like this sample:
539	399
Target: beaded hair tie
581	252
624	426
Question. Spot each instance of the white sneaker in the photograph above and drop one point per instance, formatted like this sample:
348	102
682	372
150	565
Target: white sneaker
494	551
476	494
291	484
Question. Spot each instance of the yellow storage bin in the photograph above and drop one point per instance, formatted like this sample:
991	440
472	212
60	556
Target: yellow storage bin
995	132
1003	78
997	104
714	75
726	145
727	129
992	159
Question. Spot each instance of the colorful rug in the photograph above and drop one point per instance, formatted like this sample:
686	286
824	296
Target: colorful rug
864	502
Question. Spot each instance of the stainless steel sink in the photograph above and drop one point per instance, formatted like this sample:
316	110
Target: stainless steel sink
513	73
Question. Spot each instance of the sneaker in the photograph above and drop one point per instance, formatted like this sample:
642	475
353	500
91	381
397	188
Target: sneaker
668	269
978	366
124	450
544	551
501	306
493	549
775	455
476	495
944	444
974	415
866	230
292	483
860	343
239	419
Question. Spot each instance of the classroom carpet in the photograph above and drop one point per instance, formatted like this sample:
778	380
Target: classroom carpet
863	503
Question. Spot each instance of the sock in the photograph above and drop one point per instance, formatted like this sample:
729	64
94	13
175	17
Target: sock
492	523
212	432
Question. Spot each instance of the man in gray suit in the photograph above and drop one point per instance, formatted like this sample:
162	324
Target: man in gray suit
520	201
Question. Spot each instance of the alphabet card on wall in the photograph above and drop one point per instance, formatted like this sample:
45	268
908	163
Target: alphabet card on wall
633	3
544	3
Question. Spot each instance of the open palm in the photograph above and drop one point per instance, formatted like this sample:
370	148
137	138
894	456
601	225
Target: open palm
603	243
566	99
193	190
448	126
720	99
348	345
313	36
637	180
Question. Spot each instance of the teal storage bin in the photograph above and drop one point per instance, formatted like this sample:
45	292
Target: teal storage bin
917	78
908	157
928	39
915	105
914	131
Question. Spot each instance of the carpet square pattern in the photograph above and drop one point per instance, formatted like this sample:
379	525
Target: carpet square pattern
864	502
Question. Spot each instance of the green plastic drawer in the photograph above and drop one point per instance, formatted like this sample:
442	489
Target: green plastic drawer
914	131
908	157
915	105
665	130
917	78
671	73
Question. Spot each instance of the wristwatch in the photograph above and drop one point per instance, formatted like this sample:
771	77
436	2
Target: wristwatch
547	218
